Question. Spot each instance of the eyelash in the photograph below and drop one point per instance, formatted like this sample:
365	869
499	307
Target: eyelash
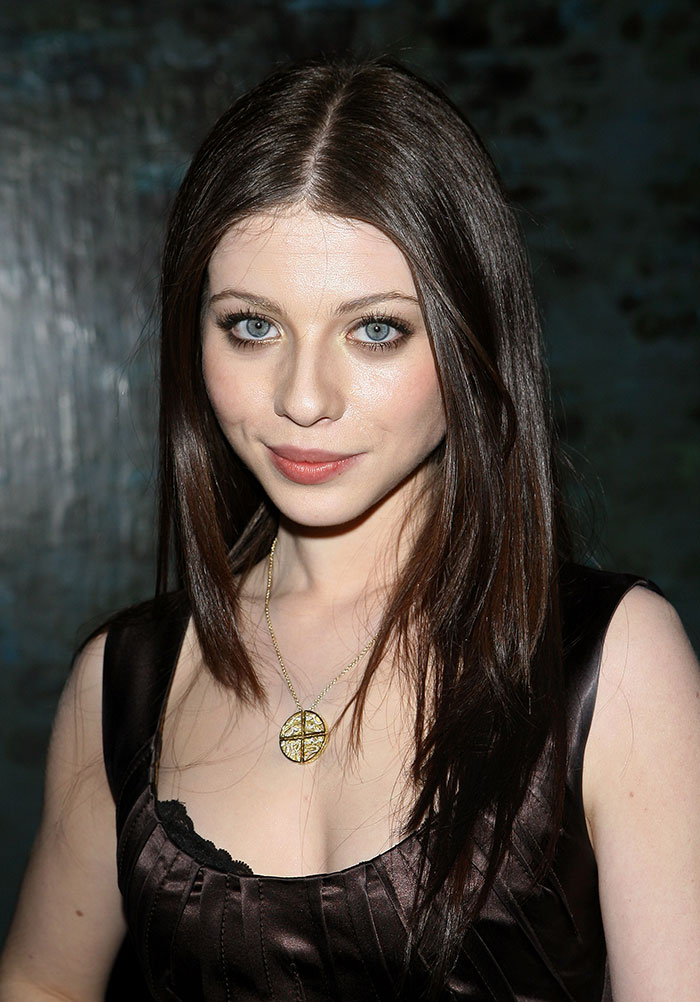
399	325
228	321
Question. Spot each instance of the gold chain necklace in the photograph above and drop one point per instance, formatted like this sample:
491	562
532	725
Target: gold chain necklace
304	735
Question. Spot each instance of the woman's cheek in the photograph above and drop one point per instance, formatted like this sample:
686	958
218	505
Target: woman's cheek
228	389
420	402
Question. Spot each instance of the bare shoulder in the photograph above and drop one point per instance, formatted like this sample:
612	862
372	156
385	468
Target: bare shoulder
648	692
649	686
88	663
79	717
646	633
641	777
69	923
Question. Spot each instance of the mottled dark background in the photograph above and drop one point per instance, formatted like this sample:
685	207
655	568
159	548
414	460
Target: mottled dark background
591	110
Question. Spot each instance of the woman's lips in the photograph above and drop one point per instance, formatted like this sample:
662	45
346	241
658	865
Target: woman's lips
309	466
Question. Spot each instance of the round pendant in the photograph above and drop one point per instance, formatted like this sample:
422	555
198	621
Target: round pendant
303	736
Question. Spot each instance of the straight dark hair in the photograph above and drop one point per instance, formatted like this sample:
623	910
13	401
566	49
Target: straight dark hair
475	610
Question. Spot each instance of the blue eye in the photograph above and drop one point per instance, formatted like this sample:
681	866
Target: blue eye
378	331
246	329
257	327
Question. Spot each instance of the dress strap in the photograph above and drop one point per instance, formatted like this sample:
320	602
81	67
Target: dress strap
589	599
140	655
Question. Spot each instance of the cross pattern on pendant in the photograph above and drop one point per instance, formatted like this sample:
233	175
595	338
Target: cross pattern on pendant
303	736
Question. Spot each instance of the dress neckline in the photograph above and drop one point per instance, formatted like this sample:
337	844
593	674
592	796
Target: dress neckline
197	848
196	845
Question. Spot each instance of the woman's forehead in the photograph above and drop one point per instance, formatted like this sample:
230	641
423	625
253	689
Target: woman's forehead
299	245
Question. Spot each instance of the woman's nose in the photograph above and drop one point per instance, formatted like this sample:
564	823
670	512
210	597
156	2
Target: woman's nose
309	385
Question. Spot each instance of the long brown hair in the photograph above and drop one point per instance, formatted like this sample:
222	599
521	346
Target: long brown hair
475	608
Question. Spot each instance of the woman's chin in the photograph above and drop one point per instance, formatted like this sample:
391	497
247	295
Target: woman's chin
324	520
340	514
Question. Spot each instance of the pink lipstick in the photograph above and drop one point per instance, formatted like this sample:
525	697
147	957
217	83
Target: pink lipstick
309	466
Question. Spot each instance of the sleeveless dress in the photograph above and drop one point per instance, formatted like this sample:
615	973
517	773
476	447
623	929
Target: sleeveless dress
204	928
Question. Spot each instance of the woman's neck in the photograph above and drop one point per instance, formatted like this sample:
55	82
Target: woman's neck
338	565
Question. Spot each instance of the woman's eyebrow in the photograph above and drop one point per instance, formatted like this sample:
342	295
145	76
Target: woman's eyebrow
362	302
348	306
262	301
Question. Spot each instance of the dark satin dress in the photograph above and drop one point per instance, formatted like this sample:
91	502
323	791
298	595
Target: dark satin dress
205	928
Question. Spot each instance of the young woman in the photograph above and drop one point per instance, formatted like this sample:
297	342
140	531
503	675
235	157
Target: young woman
386	741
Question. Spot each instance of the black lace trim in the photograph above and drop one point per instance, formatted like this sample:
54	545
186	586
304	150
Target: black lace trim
180	828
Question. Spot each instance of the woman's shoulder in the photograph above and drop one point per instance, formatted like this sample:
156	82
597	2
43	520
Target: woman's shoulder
147	632
146	637
646	720
589	594
648	668
640	783
588	600
627	617
137	650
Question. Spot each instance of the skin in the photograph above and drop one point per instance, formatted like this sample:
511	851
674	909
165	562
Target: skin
316	379
314	386
641	780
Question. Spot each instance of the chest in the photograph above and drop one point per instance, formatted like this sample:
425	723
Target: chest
223	761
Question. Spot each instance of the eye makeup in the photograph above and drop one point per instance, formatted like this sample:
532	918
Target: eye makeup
403	329
228	321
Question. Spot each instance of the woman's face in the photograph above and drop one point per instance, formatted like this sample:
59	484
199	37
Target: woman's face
318	365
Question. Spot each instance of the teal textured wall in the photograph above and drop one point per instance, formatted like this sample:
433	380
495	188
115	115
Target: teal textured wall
590	108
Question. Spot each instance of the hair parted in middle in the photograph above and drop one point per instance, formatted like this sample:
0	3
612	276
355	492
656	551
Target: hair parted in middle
474	609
